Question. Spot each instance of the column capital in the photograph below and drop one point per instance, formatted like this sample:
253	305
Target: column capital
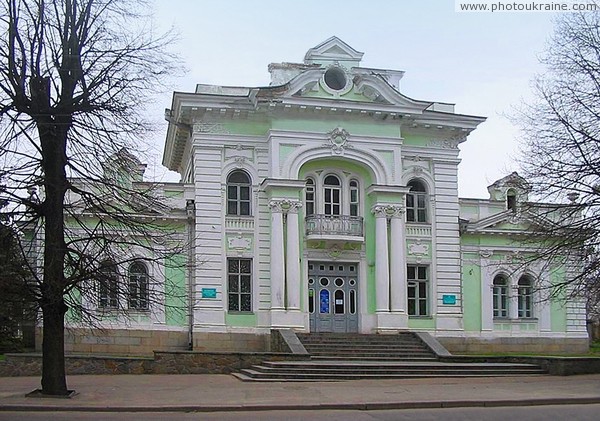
388	211
285	205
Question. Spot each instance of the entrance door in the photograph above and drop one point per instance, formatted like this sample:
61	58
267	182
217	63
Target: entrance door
333	296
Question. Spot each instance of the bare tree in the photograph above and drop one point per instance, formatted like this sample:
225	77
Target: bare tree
561	153
74	75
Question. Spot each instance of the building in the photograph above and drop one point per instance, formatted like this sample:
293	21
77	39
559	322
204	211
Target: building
328	202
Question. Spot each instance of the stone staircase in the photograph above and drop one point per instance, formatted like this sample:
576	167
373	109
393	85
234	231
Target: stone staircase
337	357
402	346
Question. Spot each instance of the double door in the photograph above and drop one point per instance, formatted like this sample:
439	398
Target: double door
333	296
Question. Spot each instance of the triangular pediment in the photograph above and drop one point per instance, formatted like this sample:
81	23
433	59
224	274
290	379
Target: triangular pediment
504	222
332	49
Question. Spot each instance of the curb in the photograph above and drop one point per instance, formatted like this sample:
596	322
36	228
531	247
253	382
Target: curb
367	406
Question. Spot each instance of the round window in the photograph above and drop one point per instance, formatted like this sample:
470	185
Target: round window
352	282
324	281
311	281
335	78
339	282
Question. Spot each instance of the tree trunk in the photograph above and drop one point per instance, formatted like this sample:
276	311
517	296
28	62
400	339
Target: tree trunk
53	129
54	381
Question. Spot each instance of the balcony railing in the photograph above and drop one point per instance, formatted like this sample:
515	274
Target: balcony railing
334	225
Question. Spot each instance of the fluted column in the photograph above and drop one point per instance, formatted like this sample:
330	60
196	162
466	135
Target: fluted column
398	261
293	257
382	271
513	298
277	262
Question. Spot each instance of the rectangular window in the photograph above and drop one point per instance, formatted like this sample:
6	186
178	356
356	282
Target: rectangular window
239	284
500	301
108	286
418	290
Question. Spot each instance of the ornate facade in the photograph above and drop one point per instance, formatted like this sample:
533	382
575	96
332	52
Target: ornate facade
328	202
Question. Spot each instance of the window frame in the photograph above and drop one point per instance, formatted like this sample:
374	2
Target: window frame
310	192
418	210
419	284
234	285
138	283
108	285
500	297
351	199
525	297
241	188
333	202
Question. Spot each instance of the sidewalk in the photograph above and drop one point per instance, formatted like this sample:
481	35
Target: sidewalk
154	393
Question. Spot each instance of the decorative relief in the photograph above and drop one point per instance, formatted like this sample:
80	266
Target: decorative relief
486	253
239	243
418	249
388	211
285	205
335	252
210	127
338	141
451	143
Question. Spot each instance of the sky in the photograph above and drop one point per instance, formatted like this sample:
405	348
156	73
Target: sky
483	62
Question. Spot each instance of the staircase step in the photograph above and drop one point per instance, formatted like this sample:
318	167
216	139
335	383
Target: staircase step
340	357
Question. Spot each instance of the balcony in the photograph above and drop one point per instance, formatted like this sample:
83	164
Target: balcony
334	227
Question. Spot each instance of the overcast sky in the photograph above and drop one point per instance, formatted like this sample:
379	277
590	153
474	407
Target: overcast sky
482	62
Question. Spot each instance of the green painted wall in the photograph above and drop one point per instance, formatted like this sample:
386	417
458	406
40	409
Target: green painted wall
421	323
247	127
354	127
241	320
558	305
176	291
471	276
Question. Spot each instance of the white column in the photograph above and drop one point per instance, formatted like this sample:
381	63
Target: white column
292	262
398	262
277	268
382	271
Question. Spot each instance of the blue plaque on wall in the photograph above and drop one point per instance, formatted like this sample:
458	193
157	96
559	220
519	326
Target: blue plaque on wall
209	293
449	299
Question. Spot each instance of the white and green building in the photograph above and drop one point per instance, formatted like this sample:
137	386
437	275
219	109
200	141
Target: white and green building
328	202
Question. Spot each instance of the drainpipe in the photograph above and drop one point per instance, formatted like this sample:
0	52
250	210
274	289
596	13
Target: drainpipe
190	208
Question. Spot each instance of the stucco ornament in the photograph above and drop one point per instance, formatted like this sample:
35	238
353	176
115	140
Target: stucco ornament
338	141
210	127
239	243
418	249
285	205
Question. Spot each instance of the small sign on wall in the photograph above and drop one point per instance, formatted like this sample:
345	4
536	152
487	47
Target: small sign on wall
209	293
449	300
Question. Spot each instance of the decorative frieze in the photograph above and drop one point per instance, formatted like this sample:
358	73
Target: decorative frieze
210	127
285	205
388	211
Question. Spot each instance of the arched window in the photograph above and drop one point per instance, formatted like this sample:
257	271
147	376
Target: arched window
416	202
525	297
332	195
138	286
108	285
354	198
500	296
238	193
511	200
309	196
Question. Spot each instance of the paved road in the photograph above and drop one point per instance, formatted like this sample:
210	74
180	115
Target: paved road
530	413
